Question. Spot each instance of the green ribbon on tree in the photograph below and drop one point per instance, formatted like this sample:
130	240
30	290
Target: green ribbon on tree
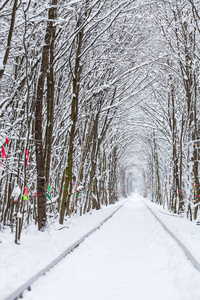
48	196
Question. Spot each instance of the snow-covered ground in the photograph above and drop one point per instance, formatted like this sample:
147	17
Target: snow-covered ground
18	263
185	230
130	257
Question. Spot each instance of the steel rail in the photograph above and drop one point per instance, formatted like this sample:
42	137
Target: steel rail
27	285
187	253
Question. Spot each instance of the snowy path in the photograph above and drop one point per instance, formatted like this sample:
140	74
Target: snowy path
131	258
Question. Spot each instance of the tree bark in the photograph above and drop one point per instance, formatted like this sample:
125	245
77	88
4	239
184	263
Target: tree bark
74	115
41	180
5	59
50	105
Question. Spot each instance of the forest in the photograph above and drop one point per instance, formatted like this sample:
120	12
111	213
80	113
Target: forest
98	99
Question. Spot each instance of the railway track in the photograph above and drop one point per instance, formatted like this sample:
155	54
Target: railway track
188	254
18	294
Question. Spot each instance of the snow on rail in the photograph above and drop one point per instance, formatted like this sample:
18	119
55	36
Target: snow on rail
27	285
188	254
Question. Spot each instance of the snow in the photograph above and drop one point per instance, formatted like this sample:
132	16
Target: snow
18	263
16	192
130	257
185	230
1	64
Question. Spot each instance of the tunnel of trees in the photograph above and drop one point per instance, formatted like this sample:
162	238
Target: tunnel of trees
97	99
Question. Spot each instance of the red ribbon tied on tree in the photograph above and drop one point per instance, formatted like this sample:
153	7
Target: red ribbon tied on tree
7	141
26	191
3	153
27	158
25	197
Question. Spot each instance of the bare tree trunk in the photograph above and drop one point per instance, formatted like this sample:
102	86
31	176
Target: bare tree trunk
82	162
5	59
74	115
50	104
41	180
181	201
123	180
